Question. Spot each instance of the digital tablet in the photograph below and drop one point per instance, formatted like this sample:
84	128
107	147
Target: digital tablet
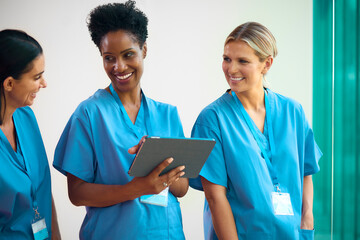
190	152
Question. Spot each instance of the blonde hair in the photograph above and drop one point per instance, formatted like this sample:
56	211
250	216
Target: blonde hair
257	36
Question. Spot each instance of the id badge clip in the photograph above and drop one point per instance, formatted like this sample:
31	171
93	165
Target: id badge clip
281	203
39	227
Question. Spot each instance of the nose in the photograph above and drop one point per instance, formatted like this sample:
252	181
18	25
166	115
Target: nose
43	83
233	68
120	66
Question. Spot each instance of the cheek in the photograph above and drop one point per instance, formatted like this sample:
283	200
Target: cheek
107	67
138	64
224	67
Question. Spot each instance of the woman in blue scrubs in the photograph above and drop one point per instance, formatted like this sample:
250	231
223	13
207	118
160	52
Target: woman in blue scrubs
257	180
96	149
27	209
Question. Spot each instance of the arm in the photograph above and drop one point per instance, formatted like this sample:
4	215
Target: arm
222	216
82	193
307	218
180	187
55	232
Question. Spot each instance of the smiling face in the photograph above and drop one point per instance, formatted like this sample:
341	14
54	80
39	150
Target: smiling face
242	68
123	60
23	90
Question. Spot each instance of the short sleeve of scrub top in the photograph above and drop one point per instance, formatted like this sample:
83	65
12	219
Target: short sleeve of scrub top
214	169
76	139
312	151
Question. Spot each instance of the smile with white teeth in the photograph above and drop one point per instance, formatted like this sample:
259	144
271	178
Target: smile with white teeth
124	76
236	79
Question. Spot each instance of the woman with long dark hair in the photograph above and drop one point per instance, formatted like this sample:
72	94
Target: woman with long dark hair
26	206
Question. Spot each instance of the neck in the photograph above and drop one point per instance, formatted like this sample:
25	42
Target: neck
7	112
253	100
7	118
132	97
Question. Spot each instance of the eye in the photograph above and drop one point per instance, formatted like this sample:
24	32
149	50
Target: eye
226	59
129	54
38	77
108	58
242	61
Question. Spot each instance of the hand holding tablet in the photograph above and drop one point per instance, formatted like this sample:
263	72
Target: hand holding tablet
189	152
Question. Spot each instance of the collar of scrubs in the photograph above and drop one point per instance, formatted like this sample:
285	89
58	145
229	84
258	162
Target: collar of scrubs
268	120
127	120
18	158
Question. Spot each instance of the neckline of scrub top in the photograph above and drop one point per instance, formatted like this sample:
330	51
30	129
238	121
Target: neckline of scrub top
268	120
19	152
264	138
15	158
14	154
126	117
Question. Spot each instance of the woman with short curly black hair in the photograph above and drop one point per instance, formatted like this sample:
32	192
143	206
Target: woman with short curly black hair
95	150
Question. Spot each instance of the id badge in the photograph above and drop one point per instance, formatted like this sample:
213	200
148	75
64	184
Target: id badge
39	229
160	199
282	203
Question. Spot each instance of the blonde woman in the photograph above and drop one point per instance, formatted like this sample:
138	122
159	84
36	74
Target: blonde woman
257	180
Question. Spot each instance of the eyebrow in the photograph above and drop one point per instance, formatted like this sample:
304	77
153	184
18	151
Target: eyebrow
39	74
242	58
120	52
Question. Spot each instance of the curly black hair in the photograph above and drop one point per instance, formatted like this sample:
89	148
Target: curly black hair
117	16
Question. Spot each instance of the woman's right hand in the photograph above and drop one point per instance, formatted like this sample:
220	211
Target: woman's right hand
154	183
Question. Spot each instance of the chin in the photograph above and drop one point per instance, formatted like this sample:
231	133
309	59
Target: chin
28	104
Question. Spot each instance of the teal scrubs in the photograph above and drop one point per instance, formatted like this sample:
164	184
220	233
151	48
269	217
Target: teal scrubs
94	147
24	179
237	163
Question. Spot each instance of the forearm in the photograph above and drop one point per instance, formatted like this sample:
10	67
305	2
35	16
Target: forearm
222	216
54	222
223	219
307	218
180	187
82	193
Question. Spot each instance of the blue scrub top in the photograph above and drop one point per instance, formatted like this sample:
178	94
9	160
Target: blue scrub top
94	147
21	171
237	164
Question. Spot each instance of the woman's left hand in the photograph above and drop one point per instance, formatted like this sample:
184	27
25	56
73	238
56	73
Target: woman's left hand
307	221
179	188
135	149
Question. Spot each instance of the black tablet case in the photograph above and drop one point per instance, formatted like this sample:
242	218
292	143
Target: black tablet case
186	151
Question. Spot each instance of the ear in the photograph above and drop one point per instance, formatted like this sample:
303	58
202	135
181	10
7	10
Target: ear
144	50
8	83
268	64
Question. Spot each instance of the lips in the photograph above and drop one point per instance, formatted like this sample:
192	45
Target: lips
123	77
236	79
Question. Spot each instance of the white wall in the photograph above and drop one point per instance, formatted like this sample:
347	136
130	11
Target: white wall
183	66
